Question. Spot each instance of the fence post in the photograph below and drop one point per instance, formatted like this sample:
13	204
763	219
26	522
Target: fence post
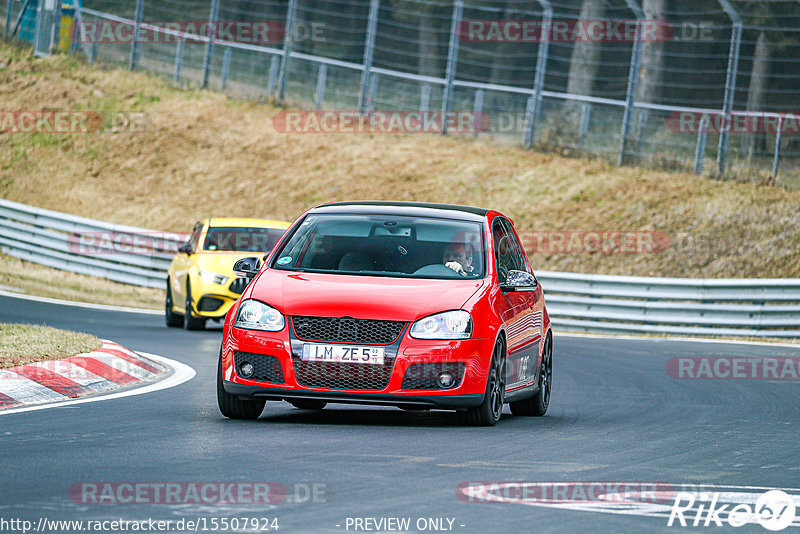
178	59
9	5
369	51
136	28
777	155
226	68
730	84
477	112
212	26
81	30
583	128
288	43
273	74
95	47
322	79
633	78
535	105
700	147
641	124
373	91
452	61
72	37
425	97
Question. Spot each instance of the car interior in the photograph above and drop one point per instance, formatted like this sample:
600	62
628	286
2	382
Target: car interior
377	248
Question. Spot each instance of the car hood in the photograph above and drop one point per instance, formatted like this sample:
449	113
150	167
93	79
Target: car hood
361	297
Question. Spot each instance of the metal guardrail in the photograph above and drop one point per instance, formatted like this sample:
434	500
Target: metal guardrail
121	253
753	307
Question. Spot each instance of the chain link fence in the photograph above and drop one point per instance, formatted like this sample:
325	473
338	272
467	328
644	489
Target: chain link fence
711	86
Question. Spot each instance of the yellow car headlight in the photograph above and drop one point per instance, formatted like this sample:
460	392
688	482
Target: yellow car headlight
213	278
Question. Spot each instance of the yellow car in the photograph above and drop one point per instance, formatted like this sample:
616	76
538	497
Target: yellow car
201	284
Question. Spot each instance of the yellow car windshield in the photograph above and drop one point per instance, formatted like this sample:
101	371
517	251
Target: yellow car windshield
228	239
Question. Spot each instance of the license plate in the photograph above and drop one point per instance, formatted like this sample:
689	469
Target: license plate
313	352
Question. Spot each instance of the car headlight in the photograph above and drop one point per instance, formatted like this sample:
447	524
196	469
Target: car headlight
255	315
210	277
455	324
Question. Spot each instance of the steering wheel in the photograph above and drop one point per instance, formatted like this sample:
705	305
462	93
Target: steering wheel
436	269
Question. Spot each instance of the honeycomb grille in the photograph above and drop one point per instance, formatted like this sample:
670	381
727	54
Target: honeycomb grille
238	286
352	376
267	368
346	330
209	304
423	375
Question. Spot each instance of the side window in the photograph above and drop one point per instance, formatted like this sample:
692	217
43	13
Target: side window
194	240
518	253
503	250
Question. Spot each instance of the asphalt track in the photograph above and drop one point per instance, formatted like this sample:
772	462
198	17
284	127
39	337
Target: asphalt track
615	415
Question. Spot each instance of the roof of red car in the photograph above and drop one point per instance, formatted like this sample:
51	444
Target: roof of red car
365	205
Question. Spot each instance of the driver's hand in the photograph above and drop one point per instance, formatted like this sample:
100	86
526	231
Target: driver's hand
456	267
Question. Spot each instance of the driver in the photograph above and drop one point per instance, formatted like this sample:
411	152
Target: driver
458	256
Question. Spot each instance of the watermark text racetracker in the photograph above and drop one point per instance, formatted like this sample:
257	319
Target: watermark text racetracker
678	505
138	243
256	32
205	493
72	122
582	31
734	368
331	122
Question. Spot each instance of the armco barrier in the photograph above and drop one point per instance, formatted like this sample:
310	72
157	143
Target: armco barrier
757	307
85	246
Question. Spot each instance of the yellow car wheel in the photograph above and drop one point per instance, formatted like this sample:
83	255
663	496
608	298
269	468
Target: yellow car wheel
190	322
170	317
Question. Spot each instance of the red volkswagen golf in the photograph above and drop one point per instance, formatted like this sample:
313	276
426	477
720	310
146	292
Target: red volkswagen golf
420	306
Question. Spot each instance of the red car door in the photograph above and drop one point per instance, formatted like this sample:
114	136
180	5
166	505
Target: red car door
516	311
524	354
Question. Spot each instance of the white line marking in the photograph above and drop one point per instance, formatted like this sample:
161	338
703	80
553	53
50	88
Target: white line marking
182	373
106	307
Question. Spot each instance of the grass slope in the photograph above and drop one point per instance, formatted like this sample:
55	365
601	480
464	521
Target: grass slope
205	154
21	344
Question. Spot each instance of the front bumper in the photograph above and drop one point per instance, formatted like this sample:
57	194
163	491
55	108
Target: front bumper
450	402
472	356
212	301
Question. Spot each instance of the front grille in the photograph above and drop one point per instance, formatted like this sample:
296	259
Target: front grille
267	368
238	286
346	329
423	375
354	376
209	304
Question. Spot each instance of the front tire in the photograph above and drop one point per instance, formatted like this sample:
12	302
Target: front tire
170	317
490	410
537	405
232	406
189	321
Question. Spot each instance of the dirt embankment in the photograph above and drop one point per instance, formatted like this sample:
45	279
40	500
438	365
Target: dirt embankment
204	154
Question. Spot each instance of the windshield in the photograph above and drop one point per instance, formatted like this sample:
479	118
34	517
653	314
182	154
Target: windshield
239	239
383	245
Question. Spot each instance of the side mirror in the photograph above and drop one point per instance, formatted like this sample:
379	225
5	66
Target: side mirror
519	281
186	248
247	267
